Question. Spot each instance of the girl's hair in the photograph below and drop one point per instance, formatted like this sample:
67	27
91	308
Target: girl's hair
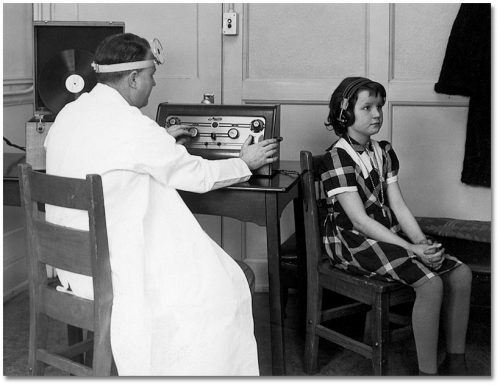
340	127
120	48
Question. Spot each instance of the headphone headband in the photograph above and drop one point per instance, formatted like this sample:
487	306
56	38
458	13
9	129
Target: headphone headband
353	87
347	95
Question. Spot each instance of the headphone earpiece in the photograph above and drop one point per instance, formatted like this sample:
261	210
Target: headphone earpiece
346	118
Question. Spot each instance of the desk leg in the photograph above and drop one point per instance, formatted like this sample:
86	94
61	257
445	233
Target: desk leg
301	256
273	260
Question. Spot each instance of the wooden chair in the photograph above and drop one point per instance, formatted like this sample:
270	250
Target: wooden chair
366	294
83	252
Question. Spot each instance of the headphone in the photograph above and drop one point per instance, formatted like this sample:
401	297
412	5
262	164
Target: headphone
346	118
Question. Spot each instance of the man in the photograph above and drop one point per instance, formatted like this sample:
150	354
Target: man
181	305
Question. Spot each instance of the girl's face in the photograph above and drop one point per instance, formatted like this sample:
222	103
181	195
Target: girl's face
367	117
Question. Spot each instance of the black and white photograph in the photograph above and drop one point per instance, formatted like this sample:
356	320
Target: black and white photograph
248	190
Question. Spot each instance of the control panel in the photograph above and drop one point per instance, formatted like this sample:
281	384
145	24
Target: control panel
214	132
219	131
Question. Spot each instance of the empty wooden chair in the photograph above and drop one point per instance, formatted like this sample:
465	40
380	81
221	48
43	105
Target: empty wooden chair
83	252
367	295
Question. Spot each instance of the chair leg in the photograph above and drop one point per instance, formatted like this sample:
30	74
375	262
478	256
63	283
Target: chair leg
313	315
37	340
284	300
102	355
367	336
380	334
89	356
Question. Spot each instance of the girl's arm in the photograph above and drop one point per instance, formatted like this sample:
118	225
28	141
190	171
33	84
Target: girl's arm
411	228
353	207
405	218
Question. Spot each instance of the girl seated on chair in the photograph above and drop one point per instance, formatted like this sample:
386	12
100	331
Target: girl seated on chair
372	232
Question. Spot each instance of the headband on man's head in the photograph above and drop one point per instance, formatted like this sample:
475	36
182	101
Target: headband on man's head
156	50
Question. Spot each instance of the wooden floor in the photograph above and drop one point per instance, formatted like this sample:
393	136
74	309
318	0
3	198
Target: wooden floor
333	360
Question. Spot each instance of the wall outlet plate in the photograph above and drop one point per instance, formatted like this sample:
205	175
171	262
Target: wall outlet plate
230	23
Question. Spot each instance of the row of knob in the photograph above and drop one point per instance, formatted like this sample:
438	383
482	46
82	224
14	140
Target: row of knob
256	126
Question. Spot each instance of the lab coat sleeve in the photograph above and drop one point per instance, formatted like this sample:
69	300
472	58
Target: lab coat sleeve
155	152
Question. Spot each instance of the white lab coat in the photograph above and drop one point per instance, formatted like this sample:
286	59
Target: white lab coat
182	306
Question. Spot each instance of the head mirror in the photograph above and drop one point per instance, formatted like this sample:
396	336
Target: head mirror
157	50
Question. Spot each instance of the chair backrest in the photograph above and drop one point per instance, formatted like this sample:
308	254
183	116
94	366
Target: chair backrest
315	208
78	251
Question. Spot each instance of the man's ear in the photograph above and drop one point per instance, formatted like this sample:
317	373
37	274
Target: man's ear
132	79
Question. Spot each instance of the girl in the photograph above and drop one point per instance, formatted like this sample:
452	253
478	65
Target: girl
371	231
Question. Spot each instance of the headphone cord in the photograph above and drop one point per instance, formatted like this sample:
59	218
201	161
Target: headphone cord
289	172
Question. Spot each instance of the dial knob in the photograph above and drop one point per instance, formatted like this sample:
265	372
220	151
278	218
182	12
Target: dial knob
257	125
173	121
193	132
233	133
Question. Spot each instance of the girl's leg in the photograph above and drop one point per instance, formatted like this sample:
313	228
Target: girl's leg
456	305
425	320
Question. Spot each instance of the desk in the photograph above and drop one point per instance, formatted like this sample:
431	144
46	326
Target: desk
260	200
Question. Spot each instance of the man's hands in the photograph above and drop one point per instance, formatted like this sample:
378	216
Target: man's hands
259	154
254	155
180	133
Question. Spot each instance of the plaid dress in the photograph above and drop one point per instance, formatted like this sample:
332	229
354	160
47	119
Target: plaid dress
343	170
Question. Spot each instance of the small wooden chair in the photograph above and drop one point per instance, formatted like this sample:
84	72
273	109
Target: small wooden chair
371	295
83	252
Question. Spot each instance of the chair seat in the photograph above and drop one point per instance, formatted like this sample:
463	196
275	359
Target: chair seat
379	285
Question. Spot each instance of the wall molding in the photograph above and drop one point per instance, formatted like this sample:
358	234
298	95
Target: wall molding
392	40
444	102
43	11
8	233
17	91
11	293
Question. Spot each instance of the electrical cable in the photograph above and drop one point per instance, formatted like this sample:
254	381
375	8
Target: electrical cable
9	143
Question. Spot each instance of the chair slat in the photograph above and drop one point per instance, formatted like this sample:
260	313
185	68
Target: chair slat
76	349
342	311
63	363
63	247
345	341
67	308
58	191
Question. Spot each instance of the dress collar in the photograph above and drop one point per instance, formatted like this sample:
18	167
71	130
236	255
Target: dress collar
359	148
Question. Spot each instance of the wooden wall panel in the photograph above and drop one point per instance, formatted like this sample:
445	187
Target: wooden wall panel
309	45
420	37
301	60
429	141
